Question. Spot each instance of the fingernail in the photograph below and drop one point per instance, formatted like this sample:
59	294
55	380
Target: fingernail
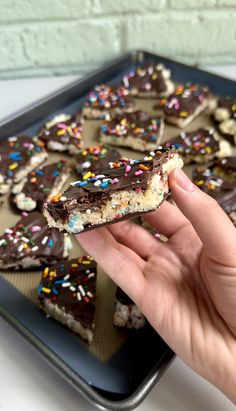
183	181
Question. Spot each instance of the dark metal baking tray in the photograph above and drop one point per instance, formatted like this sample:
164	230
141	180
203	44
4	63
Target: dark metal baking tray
124	380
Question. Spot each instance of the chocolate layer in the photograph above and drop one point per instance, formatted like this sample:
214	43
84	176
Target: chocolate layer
95	191
66	132
184	101
122	297
223	191
16	154
146	79
198	143
72	286
93	158
32	239
138	124
106	97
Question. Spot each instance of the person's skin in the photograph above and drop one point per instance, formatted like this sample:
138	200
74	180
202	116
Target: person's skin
185	287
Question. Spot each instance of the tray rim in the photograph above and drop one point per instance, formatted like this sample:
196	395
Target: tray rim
135	55
58	364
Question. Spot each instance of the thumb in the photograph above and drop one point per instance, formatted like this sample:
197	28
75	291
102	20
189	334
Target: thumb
212	225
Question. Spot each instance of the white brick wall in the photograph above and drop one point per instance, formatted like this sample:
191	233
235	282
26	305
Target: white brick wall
67	36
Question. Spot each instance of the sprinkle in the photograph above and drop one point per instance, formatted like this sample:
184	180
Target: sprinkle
50	243
91	275
75	183
46	271
81	290
57	282
64	285
72	288
86	164
8	231
20	248
46	290
199	183
13	166
35	248
97	183
55	198
143	167
67	276
138	173
44	240
87	175
114	181
26	240
83	183
35	228
15	156
127	168
89	294
88	211
104	184
183	114
63	198
3	241
79	296
39	172
24	214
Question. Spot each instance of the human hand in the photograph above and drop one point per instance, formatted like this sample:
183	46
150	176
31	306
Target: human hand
185	287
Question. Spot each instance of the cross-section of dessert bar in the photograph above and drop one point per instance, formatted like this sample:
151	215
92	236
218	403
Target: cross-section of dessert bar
121	189
67	293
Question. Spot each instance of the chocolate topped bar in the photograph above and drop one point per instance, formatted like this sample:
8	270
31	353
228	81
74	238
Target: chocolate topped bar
149	81
221	189
137	130
225	115
40	184
63	133
31	243
199	146
93	158
121	189
105	100
226	108
182	106
67	292
19	156
127	313
225	168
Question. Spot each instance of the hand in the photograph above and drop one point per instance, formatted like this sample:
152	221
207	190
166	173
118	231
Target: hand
185	287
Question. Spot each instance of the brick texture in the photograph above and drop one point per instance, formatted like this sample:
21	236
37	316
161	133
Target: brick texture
57	36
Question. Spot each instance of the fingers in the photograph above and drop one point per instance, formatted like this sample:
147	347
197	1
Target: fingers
167	220
117	265
107	235
212	225
135	237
